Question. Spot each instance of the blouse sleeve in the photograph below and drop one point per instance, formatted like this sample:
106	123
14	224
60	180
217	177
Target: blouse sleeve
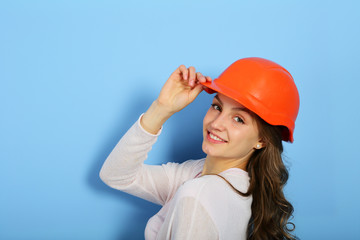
124	168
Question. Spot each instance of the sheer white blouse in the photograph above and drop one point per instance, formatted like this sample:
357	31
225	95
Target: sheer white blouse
193	206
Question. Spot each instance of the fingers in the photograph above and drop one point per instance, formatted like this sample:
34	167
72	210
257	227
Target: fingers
195	91
192	76
188	74
200	77
183	71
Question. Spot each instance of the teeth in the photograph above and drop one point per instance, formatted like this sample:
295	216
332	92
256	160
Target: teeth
215	137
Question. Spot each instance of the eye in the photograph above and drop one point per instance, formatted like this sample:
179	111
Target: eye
216	107
238	119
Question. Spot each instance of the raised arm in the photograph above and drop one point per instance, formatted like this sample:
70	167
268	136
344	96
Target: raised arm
124	168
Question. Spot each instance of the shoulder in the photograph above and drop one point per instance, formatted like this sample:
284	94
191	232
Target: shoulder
212	191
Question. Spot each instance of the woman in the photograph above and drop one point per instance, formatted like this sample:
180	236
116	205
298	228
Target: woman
236	192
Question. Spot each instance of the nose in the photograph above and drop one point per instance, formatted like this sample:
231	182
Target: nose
218	122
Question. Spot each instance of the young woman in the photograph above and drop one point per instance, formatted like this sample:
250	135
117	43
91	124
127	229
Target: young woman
236	192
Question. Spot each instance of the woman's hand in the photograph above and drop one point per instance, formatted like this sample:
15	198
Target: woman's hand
182	87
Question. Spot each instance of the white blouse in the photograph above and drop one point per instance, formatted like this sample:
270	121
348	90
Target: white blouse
193	206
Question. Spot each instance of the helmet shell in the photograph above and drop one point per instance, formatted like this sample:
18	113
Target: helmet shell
264	87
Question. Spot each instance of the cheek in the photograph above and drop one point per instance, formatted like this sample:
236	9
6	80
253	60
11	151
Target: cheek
206	119
246	138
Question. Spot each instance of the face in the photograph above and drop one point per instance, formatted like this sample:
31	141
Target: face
230	131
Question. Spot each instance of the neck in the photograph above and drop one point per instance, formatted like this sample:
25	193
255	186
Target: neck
215	165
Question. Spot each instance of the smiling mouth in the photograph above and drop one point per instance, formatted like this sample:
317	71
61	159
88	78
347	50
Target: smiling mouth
213	138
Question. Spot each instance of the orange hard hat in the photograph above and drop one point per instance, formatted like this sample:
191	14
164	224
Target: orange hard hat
264	87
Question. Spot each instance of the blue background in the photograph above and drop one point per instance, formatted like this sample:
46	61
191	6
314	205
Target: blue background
75	75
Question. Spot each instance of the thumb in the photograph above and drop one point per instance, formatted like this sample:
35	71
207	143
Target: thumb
195	91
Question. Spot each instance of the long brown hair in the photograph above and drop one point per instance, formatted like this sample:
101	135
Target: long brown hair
268	175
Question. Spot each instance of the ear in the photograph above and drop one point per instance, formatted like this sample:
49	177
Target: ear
260	144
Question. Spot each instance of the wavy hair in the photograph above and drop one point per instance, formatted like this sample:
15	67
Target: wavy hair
271	211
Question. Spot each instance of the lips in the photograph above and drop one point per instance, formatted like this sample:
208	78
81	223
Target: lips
214	138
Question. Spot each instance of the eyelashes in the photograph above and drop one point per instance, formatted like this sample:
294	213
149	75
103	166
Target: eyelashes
239	119
218	108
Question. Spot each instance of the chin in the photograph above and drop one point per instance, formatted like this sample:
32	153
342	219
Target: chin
207	149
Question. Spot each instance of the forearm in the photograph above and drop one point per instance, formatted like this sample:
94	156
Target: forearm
126	158
124	168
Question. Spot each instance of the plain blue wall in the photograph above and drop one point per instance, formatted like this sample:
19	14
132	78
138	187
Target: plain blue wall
75	75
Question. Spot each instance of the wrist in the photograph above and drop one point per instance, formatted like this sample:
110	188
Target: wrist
162	109
155	117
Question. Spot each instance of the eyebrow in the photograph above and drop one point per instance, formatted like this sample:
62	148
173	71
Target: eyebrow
236	108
